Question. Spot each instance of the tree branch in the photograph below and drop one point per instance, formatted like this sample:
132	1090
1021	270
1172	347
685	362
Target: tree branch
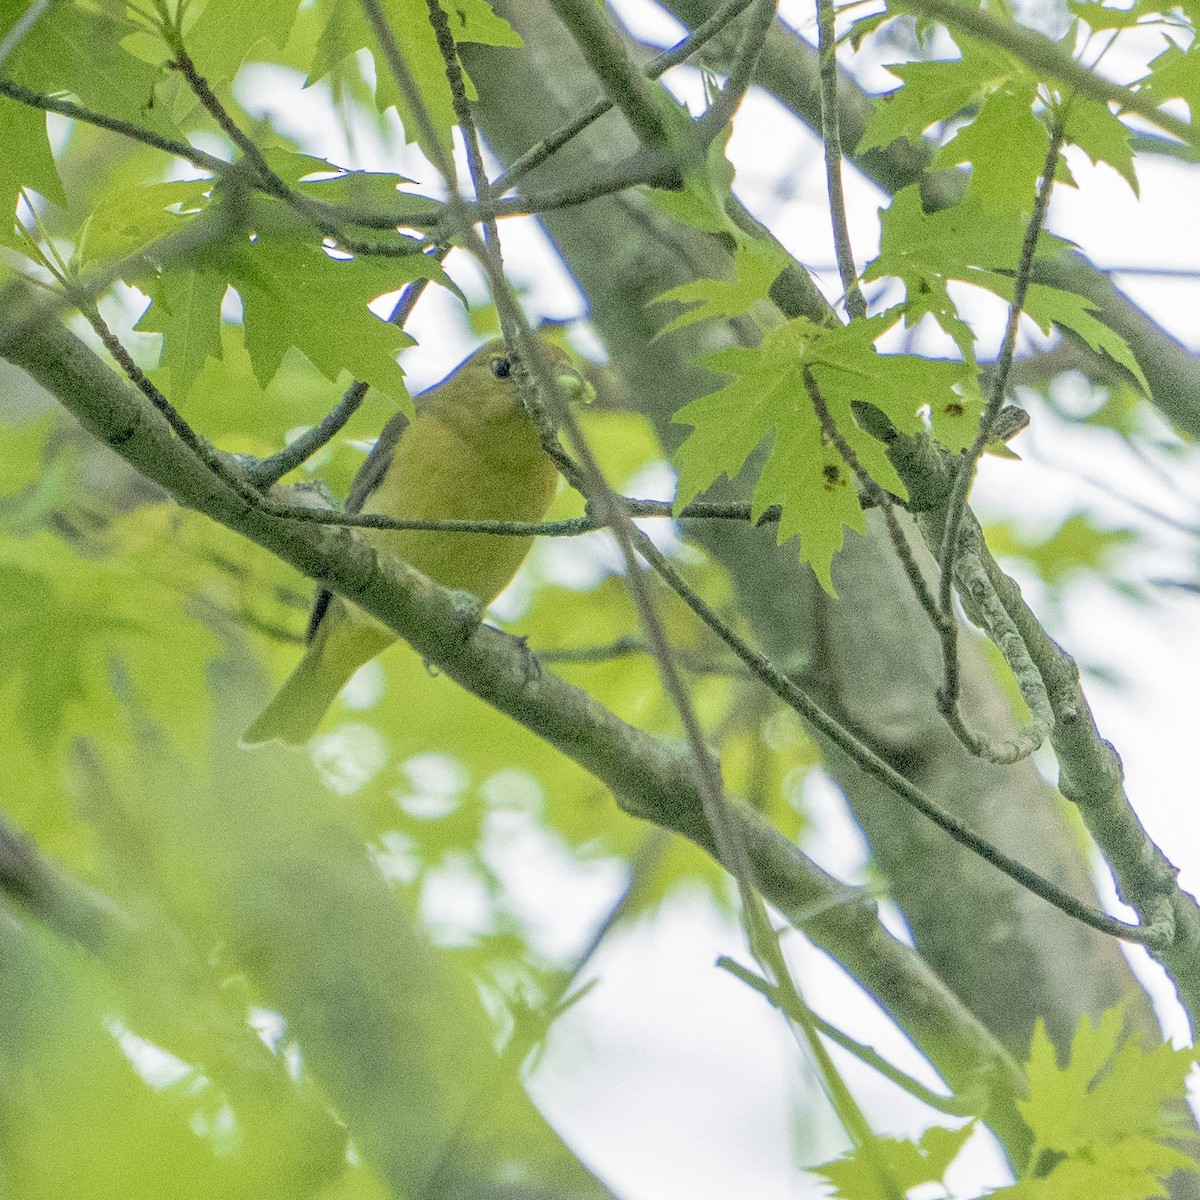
1090	772
606	54
741	72
659	66
77	112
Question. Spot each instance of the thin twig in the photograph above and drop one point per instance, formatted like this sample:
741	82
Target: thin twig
655	69
628	645
876	494
731	853
754	37
270	182
431	141
644	861
952	1105
652	168
698	510
489	251
999	628
182	429
875	767
77	112
22	27
728	849
987	608
640	168
999	380
328	218
1090	773
856	306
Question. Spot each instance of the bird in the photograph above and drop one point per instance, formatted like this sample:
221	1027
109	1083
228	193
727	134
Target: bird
471	452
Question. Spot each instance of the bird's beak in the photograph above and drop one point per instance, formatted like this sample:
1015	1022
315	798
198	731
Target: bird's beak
574	386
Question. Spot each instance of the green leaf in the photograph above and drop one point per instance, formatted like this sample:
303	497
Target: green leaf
901	385
1107	1112
1103	136
283	281
68	619
952	243
936	91
1099	17
1175	75
126	219
41	475
25	162
79	51
377	190
905	1164
186	309
1134	1169
237	1126
756	266
344	31
24	450
927	250
1006	146
768	399
1049	306
707	177
863	27
1076	545
41	636
1107	1090
228	30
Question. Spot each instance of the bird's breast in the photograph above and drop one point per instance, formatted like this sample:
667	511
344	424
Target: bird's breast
439	474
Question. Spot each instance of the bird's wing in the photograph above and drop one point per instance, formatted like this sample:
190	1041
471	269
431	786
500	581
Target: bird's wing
365	482
376	464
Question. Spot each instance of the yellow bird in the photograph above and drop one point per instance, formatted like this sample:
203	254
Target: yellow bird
471	453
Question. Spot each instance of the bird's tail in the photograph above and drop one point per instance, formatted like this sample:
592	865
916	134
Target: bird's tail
296	709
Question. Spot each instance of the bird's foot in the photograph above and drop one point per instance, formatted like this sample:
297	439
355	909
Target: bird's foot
531	669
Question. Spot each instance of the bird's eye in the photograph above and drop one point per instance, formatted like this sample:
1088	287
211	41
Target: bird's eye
501	368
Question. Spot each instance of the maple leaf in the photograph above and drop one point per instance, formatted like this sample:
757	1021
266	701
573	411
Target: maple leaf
767	400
